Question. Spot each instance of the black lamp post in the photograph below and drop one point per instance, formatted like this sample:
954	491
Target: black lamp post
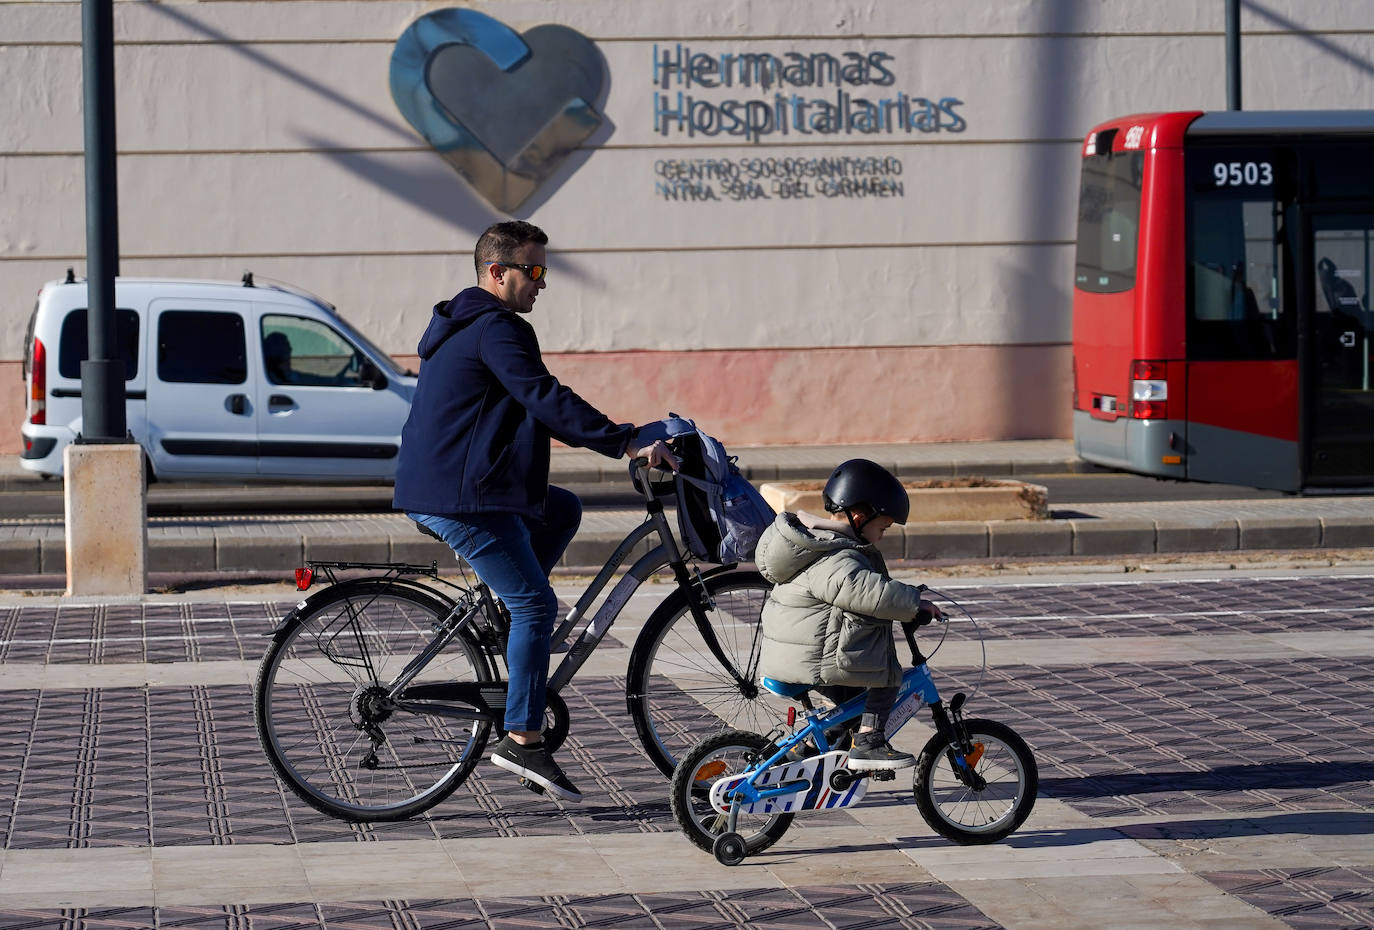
102	374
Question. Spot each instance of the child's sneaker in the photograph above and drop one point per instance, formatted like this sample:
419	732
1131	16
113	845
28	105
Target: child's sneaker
871	752
536	765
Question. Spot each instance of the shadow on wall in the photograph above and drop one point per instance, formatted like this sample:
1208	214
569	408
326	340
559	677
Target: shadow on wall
1321	42
434	189
1039	308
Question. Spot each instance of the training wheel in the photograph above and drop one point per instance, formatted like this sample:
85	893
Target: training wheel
729	849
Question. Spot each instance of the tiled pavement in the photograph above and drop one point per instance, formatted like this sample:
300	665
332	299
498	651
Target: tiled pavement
1206	751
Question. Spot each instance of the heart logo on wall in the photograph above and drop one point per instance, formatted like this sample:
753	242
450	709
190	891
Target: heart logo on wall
504	109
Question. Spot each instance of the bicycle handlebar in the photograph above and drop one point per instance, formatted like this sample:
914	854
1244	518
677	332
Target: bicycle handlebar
923	618
643	484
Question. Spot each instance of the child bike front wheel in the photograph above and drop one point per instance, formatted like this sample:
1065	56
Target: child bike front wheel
729	752
988	801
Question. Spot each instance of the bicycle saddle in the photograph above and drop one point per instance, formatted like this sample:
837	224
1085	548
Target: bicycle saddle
784	688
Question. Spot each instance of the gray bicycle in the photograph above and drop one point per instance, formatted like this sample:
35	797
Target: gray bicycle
378	693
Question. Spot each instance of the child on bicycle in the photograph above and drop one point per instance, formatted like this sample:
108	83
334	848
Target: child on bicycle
829	618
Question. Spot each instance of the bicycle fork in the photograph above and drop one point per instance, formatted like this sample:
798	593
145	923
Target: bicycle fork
963	754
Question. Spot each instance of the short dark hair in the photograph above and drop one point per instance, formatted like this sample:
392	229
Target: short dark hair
500	241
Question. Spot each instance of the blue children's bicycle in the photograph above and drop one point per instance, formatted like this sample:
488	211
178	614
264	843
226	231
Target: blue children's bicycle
735	793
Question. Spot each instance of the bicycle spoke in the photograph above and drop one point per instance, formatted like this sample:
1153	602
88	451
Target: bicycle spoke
329	725
684	692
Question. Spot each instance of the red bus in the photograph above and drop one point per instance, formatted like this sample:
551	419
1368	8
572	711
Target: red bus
1221	316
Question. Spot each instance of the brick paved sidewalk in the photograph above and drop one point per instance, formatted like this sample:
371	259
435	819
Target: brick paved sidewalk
1179	786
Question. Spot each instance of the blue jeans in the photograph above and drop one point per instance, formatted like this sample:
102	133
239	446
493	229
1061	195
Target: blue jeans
513	556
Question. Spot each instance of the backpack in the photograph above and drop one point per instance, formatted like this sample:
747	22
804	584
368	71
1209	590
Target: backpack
720	514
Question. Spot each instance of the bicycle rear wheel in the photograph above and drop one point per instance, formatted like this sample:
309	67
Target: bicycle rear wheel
974	816
730	752
679	691
325	719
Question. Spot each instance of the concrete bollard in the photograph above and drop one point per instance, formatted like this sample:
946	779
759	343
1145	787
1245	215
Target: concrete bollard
107	526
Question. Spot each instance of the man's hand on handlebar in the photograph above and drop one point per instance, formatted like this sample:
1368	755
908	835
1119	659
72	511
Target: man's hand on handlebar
659	455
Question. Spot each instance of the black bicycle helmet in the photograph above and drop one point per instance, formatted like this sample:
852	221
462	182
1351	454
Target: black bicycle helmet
861	483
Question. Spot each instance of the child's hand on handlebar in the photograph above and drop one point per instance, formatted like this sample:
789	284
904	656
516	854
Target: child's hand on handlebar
928	612
659	455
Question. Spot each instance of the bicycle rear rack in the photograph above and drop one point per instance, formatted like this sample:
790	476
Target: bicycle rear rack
305	576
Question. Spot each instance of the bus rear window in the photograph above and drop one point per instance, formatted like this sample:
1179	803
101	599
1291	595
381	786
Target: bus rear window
1108	222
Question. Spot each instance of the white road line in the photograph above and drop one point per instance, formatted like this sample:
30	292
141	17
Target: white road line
1150	579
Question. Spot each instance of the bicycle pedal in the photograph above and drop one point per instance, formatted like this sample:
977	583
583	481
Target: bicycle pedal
884	775
533	786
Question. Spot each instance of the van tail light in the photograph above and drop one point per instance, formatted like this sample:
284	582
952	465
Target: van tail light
38	385
1149	390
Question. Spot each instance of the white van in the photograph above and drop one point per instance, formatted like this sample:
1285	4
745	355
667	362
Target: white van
222	380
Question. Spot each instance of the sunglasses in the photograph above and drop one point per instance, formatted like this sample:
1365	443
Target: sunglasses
536	272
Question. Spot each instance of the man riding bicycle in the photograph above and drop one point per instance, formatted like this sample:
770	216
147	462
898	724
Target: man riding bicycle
474	467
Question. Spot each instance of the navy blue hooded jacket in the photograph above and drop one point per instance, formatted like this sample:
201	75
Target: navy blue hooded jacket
477	439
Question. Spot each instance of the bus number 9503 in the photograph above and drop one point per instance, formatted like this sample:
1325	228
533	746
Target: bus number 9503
1238	173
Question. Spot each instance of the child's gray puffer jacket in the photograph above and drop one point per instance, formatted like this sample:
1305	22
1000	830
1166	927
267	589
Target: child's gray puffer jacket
829	617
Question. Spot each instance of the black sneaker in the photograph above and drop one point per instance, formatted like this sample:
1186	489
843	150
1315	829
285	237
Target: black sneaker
534	764
871	752
837	736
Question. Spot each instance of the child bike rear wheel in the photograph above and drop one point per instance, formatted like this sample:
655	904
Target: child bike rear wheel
1000	801
728	752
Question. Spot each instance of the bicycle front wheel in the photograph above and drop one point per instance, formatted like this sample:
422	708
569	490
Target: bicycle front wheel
688	681
970	815
327	722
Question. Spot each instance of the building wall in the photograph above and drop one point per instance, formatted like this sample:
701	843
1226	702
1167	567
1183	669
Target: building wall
931	303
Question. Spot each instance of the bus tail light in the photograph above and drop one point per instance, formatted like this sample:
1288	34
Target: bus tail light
38	385
1149	390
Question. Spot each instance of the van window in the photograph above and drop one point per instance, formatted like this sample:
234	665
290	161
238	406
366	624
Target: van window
73	349
296	350
201	347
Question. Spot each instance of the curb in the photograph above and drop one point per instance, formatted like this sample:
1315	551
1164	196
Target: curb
186	550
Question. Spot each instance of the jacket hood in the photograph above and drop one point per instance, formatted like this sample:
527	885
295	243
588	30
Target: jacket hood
450	316
792	543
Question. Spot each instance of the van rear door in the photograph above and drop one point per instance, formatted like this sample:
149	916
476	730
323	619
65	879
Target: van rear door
201	408
324	409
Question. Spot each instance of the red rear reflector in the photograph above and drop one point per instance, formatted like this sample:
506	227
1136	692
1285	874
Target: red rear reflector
1150	410
791	716
303	578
